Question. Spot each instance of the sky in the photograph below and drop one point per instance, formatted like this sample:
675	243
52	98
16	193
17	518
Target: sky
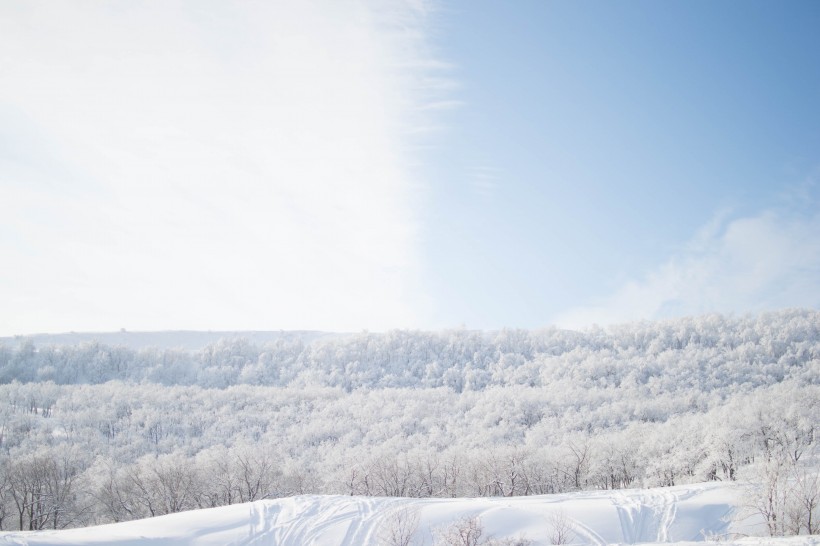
348	165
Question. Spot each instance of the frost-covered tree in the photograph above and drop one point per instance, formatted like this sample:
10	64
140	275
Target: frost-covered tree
399	528
451	413
42	490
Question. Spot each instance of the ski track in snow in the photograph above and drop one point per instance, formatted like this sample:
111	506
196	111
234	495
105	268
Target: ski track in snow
597	518
317	520
582	530
647	516
668	513
262	517
626	514
644	518
365	525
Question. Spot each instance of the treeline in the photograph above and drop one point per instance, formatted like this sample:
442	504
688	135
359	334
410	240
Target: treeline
710	351
687	407
126	452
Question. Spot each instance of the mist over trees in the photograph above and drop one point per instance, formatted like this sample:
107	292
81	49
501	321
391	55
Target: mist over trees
95	433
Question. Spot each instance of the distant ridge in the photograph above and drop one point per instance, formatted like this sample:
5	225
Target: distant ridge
188	340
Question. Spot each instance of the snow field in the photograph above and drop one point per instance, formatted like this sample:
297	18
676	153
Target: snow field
677	514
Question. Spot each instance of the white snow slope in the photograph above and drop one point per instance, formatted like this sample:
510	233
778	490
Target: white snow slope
681	514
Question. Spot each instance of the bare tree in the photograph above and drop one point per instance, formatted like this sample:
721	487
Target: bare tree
164	485
114	496
579	466
465	532
561	532
258	476
786	493
42	491
765	495
220	483
399	527
805	498
5	494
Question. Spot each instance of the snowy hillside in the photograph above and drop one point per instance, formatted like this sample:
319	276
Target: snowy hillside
675	514
180	339
93	434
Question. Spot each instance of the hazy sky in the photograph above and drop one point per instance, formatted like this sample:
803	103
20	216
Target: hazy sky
346	165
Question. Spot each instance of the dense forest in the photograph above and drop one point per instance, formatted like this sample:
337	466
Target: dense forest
94	433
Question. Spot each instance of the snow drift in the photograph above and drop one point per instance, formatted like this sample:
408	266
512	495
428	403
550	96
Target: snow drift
680	514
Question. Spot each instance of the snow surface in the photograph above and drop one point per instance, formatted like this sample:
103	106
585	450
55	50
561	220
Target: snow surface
682	514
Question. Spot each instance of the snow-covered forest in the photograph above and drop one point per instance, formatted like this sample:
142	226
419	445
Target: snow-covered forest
94	433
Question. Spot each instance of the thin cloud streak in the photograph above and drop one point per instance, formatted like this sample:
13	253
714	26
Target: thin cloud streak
235	166
485	181
765	261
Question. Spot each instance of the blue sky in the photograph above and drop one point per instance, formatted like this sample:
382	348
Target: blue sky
348	165
597	140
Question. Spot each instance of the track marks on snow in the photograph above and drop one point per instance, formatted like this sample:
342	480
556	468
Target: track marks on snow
646	516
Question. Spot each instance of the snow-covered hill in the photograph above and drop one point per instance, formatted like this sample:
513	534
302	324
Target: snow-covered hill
188	340
680	514
94	434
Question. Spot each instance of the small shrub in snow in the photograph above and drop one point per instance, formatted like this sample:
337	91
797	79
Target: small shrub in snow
465	532
562	532
468	531
399	528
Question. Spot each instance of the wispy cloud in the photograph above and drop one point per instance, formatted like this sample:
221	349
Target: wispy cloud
484	181
228	165
764	261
